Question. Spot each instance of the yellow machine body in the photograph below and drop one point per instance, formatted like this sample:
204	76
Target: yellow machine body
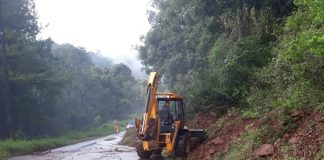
149	128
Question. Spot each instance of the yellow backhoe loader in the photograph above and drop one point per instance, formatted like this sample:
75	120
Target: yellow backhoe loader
165	128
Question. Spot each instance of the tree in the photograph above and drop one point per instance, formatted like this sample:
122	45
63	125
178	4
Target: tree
48	89
18	27
294	79
210	50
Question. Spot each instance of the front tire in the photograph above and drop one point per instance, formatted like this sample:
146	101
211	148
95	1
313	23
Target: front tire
141	153
183	146
156	154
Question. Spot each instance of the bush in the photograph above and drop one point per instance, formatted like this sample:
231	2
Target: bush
294	79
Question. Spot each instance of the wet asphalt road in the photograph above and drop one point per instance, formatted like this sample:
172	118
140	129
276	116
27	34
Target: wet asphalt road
105	148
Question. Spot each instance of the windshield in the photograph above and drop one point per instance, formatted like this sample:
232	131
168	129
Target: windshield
176	108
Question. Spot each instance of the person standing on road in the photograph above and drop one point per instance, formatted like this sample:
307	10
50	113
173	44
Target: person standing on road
116	125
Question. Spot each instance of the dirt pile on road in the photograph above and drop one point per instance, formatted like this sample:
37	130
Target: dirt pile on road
130	138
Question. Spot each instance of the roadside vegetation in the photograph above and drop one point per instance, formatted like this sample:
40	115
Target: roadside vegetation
11	147
258	54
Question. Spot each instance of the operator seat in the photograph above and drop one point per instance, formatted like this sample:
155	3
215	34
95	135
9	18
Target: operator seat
166	121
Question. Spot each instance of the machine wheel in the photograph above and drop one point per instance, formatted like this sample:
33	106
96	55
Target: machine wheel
141	153
195	141
183	146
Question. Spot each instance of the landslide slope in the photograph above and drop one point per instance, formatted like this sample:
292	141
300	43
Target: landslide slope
280	134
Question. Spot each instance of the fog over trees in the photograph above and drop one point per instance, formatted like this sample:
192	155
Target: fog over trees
49	89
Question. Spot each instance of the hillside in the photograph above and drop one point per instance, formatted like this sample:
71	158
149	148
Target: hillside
258	66
276	135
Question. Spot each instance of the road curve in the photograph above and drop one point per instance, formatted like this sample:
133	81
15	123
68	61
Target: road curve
105	148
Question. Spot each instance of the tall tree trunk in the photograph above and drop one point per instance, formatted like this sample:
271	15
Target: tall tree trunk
5	88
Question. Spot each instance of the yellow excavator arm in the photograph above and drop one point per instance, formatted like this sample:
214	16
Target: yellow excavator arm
151	108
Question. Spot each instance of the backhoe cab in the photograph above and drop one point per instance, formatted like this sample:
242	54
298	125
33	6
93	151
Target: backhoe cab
163	124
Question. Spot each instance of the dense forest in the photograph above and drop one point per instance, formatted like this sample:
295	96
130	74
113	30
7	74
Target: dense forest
263	54
48	89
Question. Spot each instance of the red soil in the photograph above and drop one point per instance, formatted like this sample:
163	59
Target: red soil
202	120
307	137
305	134
224	138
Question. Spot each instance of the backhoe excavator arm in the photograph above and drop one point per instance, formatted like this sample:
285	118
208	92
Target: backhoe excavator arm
151	108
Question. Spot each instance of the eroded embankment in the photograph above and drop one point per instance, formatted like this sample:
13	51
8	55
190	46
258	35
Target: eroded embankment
279	135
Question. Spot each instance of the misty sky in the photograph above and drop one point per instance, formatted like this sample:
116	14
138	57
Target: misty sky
109	26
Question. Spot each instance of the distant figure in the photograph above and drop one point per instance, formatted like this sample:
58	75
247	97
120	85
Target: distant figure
116	125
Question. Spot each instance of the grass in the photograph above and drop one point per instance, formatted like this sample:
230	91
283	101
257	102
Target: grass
215	127
320	153
14	147
242	148
11	147
288	152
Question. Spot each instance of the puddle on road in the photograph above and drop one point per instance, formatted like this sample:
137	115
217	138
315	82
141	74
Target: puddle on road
109	139
91	144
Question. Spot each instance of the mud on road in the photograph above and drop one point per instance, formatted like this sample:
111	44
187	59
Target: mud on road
98	149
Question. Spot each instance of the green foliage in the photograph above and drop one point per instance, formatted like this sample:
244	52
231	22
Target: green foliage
288	152
92	94
242	53
72	94
294	79
215	127
26	77
251	113
49	89
320	153
210	51
18	147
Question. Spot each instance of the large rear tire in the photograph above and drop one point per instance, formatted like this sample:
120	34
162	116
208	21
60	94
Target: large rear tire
141	153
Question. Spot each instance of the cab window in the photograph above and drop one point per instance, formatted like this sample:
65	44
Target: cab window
176	108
